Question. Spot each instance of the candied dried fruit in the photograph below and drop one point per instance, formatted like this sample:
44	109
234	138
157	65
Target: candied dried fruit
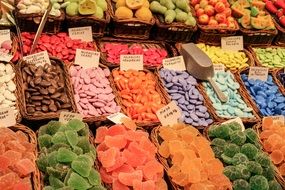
239	158
254	168
238	137
249	150
45	141
258	182
101	132
163	149
230	149
167	133
84	144
277	156
218	142
94	177
75	181
117	141
274	185
55	182
82	165
25	167
251	136
59	137
128	178
72	137
262	159
65	155
241	184
75	124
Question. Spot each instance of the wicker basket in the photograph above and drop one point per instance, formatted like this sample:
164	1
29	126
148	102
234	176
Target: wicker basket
218	118
161	91
35	176
30	22
98	25
277	79
92	119
21	91
246	93
145	44
280	38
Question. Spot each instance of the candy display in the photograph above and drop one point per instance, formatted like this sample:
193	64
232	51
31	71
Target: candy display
93	93
266	95
277	8
182	88
246	165
6	18
193	163
128	159
231	59
235	106
270	57
67	157
17	158
141	96
272	137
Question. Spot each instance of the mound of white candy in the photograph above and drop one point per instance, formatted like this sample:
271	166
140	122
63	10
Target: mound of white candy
7	87
39	6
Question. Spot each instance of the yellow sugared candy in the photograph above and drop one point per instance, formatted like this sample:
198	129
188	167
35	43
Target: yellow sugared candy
144	14
193	163
123	13
231	59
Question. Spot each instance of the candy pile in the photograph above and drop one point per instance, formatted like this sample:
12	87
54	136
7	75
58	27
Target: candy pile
7	87
32	6
278	8
6	8
93	93
17	160
139	94
128	158
240	150
266	95
151	56
235	106
45	89
194	165
6	46
271	57
231	59
67	157
273	140
182	89
59	45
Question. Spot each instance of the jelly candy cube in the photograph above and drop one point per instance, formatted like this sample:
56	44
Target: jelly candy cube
118	163
148	185
106	177
77	182
108	157
84	144
72	137
42	162
4	163
132	159
65	155
43	130
45	141
21	186
128	178
59	137
77	150
116	130
117	185
101	132
124	168
52	127
25	167
277	156
8	180
55	147
52	158
94	177
55	182
151	169
82	165
117	141
75	124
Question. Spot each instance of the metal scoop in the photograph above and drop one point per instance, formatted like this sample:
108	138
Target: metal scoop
201	67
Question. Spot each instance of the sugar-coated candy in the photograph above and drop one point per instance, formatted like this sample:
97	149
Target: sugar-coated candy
271	57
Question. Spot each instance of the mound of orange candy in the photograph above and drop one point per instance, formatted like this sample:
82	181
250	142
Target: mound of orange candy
194	165
273	140
139	95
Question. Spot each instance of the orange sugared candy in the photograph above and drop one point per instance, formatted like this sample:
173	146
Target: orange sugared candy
189	153
273	140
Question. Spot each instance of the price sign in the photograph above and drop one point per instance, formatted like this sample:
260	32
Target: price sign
237	120
65	117
4	35
174	63
219	68
7	117
81	33
117	117
87	58
134	62
169	114
277	118
40	58
260	73
233	43
5	57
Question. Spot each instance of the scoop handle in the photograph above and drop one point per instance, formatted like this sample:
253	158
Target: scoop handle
218	91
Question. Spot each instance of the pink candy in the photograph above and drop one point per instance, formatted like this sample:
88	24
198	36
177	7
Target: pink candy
6	46
152	56
93	93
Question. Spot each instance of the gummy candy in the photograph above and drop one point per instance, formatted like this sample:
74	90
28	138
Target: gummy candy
72	137
55	182
227	159
117	141
241	184
254	167
84	132
117	185
276	156
59	137
128	178
238	137
42	162
234	126
84	144
75	124
167	134
82	165
223	132
251	136
249	150
77	150
258	182
65	155
262	159
44	141
268	172
274	185
218	142
77	182
239	158
101	132
94	177
52	127
243	171
231	149
52	159
24	167
218	151
151	169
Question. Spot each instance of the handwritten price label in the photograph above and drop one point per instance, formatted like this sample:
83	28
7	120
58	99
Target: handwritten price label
40	58
233	43
134	62
219	68
7	117
174	63
260	73
81	33
169	114
87	58
65	117
117	117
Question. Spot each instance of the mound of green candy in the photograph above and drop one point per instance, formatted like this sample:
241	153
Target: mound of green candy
246	165
67	157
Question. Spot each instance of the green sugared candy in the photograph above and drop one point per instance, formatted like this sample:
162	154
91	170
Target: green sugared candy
251	136
254	168
82	165
72	137
274	185
65	155
55	147
226	159
243	171
48	188
249	150
52	127
231	149
72	9
84	144
218	142
42	162
77	182
58	138
77	150
263	159
75	124
218	151
269	172
258	182
238	137
239	158
241	184
99	13
101	4
45	141
94	177
55	182
52	159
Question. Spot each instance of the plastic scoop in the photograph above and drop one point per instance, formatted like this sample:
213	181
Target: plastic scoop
199	65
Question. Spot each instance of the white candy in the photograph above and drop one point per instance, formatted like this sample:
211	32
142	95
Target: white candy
11	86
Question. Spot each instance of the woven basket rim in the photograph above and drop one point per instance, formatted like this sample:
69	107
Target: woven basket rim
277	81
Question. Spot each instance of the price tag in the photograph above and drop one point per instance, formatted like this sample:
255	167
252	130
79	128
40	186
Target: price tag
219	68
87	58
81	33
7	117
134	62
233	43
169	114
4	35
65	117
5	57
40	58
174	63
260	73
117	117
238	120
277	118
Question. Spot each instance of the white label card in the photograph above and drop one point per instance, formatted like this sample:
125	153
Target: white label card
277	118
174	63
4	35
81	33
134	62
238	120
40	58
233	43
87	58
219	68
260	73
117	117
5	57
65	117
7	117
169	114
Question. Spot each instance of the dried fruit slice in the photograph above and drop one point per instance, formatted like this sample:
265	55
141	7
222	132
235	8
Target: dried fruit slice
101	132
128	178
134	4
117	141
151	169
87	7
277	156
117	185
